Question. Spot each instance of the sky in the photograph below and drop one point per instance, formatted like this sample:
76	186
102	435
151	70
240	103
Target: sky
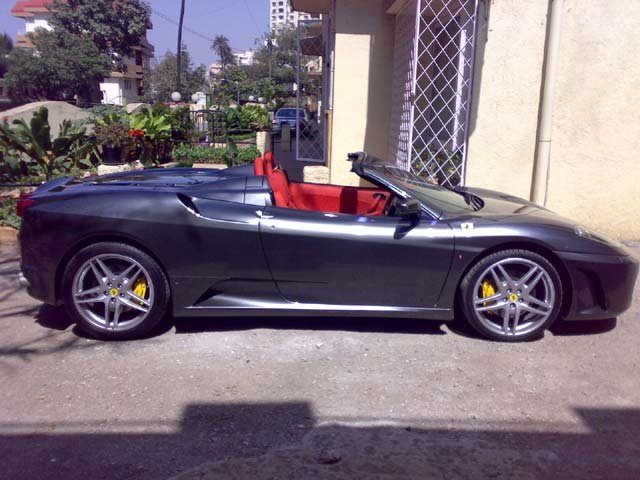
241	21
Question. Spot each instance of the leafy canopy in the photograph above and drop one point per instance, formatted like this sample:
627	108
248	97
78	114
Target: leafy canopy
6	45
221	47
161	80
59	66
114	27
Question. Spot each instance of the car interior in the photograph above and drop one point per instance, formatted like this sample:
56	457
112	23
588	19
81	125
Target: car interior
321	197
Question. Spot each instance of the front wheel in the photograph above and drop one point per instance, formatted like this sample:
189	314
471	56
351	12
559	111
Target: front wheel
511	295
115	291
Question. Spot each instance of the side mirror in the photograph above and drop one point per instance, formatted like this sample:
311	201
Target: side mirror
409	208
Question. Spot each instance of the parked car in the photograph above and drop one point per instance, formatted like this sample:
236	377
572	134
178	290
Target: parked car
287	115
121	251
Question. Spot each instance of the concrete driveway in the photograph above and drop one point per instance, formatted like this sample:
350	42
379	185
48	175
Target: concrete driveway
303	398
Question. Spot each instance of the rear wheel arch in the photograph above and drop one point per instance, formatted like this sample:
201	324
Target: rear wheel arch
546	252
85	242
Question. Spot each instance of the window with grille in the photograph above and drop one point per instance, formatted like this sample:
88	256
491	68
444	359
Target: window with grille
432	86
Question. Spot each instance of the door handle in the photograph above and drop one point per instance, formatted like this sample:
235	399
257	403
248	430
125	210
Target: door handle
262	215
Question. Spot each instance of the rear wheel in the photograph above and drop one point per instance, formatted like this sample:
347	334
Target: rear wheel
115	291
512	295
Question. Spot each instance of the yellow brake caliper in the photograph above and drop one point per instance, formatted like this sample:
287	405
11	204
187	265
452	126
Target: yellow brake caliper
488	290
140	288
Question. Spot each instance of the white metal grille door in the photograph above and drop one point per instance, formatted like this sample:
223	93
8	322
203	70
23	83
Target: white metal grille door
310	121
445	34
403	85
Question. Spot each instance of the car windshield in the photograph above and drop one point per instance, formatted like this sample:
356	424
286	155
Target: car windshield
437	197
289	112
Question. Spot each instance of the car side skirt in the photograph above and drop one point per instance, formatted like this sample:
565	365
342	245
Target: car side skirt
289	309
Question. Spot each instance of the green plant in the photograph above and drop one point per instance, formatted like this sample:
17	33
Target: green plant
33	140
198	154
8	216
112	135
254	117
237	156
155	122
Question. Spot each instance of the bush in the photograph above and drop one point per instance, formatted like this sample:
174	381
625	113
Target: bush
8	216
198	154
230	155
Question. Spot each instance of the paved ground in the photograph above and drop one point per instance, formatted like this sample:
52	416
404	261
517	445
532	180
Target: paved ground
302	398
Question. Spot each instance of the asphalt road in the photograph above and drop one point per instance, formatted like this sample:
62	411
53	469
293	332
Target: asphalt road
304	398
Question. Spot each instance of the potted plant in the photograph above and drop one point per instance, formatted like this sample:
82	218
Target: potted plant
113	137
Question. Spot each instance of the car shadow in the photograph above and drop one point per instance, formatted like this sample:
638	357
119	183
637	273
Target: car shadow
55	318
589	327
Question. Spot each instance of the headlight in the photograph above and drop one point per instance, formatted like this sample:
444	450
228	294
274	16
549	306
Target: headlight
582	232
596	237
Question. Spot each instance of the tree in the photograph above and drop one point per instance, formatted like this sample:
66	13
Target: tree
222	48
6	45
114	27
59	66
160	81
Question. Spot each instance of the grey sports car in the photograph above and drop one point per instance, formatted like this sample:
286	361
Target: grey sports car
123	251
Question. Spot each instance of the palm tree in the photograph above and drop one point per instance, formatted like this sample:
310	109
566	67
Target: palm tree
6	45
222	48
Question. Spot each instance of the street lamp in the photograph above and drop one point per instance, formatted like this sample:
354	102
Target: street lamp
175	96
195	97
251	98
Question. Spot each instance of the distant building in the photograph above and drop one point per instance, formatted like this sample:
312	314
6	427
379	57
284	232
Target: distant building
215	69
281	14
244	58
120	87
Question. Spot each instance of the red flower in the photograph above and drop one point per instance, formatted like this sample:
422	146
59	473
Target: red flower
136	133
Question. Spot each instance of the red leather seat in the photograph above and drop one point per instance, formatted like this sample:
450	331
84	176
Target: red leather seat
258	166
280	186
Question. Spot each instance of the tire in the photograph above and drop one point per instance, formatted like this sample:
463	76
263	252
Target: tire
114	291
515	307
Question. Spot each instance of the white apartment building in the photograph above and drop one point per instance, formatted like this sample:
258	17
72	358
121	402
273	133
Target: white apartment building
120	87
281	14
244	58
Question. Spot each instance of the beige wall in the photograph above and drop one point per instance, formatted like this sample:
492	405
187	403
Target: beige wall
509	57
362	83
594	172
595	149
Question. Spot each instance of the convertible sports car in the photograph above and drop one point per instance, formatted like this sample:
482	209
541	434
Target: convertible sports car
122	251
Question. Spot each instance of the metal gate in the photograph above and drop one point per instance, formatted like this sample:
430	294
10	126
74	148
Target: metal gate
432	87
309	95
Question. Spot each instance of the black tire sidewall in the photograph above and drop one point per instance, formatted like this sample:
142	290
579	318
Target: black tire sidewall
467	293
157	277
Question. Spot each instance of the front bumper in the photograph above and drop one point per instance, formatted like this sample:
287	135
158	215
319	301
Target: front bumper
602	285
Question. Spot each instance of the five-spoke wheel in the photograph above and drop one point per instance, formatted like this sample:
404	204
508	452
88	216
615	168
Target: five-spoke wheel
115	291
512	295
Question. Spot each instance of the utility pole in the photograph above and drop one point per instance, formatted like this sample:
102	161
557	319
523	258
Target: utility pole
179	53
270	48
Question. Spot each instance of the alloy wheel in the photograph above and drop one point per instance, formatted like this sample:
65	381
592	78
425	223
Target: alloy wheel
113	292
513	297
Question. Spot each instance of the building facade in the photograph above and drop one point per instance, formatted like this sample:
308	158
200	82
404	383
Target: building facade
533	98
281	14
244	58
120	87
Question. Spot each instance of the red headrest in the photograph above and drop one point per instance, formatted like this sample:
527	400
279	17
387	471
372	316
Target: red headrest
269	162
258	166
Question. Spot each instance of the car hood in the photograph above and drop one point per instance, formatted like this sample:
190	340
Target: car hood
500	207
